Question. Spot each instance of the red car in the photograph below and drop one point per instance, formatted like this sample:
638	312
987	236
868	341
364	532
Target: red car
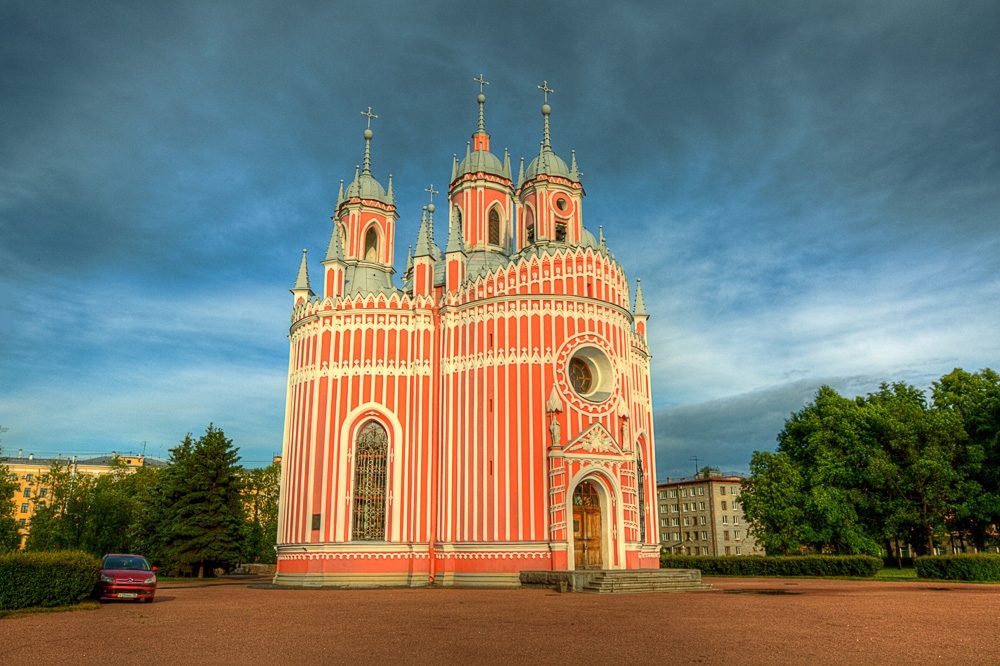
127	577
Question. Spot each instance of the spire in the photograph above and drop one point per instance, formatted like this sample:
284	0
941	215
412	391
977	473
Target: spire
340	195
455	243
600	231
454	168
520	174
392	197
335	250
640	305
425	237
574	173
302	281
468	150
409	261
368	140
506	164
482	100
546	110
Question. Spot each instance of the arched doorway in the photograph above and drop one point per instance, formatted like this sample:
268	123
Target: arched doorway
587	527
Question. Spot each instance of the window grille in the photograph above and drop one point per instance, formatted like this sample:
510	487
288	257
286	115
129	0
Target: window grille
494	227
369	483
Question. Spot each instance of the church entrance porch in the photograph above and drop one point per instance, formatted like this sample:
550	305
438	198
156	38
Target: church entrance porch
587	527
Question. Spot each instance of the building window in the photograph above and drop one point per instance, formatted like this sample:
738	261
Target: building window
561	231
701	490
676	522
663	508
701	505
725	535
43	492
738	550
24	508
723	506
725	519
684	492
674	508
27	492
494	227
663	494
677	536
736	535
685	507
722	490
703	520
727	550
687	522
704	550
673	493
371	245
369	483
20	522
736	520
663	522
29	477
704	536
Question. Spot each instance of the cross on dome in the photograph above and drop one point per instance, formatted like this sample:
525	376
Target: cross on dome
481	83
545	89
432	191
370	116
368	141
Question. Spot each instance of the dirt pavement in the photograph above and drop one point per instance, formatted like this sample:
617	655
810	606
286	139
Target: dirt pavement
751	621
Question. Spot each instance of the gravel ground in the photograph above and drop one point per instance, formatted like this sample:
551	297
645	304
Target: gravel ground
750	621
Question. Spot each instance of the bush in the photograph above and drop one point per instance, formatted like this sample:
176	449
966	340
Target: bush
959	567
59	578
760	565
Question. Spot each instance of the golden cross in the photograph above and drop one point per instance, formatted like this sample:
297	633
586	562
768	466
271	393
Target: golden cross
481	83
545	89
370	116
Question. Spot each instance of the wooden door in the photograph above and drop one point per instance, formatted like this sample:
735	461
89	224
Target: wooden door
587	527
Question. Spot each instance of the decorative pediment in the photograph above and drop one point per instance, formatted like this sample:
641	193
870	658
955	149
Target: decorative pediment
595	441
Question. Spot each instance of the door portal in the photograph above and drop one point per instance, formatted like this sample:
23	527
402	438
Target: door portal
587	527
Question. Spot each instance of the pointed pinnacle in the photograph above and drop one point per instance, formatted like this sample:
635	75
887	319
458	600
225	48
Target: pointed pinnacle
468	150
520	174
409	262
335	250
506	164
640	305
389	194
425	238
302	281
454	168
455	243
600	230
340	194
574	173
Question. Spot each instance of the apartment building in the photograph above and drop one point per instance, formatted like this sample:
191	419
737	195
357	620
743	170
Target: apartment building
702	515
32	494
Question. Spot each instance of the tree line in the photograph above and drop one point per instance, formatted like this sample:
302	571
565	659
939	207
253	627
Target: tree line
874	473
201	511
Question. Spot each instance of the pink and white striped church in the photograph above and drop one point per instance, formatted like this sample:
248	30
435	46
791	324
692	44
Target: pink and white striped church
491	414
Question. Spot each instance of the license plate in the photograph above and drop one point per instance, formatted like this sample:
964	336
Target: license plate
127	595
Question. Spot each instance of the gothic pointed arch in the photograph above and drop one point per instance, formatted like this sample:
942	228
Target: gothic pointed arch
371	244
371	452
493	226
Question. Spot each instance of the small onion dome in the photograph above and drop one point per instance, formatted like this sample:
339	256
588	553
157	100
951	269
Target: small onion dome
481	160
366	187
551	165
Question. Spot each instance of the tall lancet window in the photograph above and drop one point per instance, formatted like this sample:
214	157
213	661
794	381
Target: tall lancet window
642	492
370	455
494	227
371	245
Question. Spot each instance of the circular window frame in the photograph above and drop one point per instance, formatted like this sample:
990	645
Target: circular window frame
602	373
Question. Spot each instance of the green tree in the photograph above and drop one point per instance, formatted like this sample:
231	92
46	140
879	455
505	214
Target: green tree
205	521
60	517
260	498
772	500
975	398
9	538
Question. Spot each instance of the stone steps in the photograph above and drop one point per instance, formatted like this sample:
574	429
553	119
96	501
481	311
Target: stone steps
647	580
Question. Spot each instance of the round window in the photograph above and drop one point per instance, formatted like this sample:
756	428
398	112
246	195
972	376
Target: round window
580	376
591	374
561	203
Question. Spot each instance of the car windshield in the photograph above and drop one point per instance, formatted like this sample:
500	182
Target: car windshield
133	563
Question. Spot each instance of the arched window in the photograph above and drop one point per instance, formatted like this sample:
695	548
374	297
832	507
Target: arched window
370	454
343	235
529	227
371	245
494	238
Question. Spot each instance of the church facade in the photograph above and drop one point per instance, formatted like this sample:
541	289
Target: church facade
491	414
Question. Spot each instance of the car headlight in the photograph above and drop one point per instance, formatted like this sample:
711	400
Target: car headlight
107	579
151	579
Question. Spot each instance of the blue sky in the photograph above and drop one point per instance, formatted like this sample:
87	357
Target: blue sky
810	192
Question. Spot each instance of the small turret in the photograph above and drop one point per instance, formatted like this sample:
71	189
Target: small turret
334	266
639	313
302	291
